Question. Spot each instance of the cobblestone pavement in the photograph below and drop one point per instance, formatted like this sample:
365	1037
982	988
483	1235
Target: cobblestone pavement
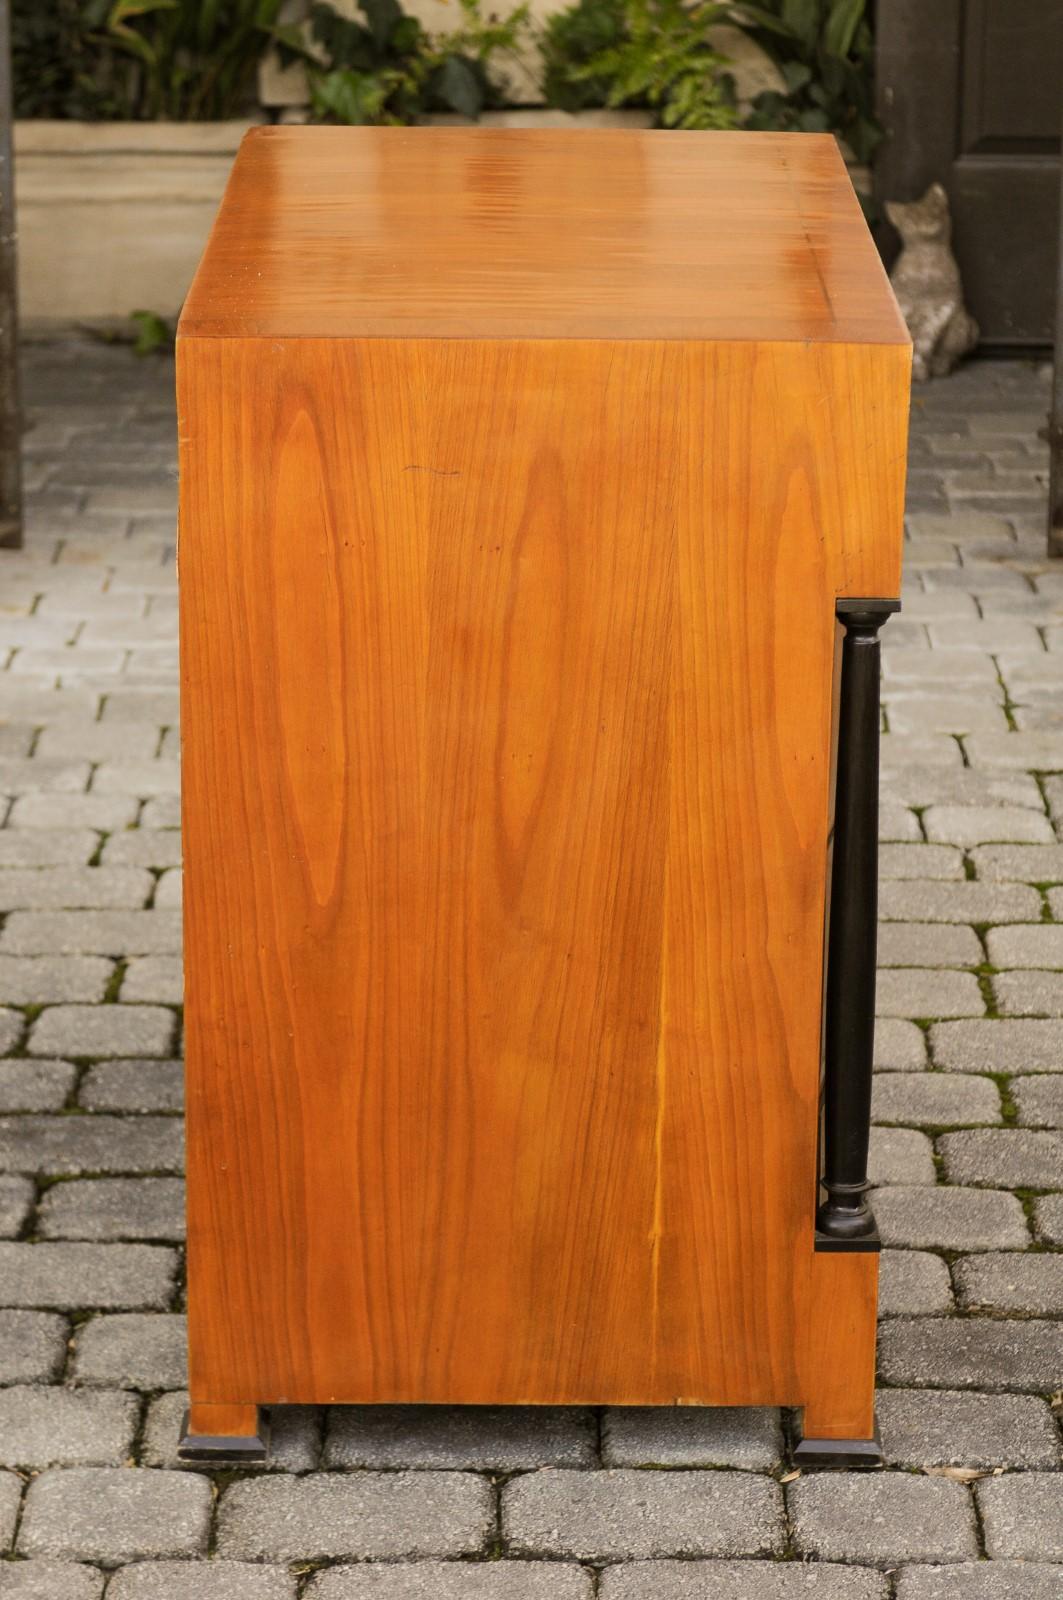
520	1505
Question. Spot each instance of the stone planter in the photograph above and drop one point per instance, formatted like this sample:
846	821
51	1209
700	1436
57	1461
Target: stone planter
113	216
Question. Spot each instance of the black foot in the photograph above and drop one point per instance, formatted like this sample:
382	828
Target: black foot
839	1452
224	1447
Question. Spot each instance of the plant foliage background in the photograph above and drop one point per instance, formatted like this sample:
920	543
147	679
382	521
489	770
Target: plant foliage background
197	60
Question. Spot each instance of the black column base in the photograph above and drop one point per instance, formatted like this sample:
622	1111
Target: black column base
211	1447
839	1452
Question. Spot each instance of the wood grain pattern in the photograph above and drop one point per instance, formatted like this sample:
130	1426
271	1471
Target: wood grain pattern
519	233
507	676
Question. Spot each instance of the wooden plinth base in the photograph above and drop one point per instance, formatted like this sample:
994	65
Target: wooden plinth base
812	1452
224	1433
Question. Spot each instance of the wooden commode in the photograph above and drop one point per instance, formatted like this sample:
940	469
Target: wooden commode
530	484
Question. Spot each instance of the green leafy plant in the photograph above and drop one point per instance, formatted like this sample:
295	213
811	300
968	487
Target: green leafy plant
824	50
388	69
655	53
182	60
153	333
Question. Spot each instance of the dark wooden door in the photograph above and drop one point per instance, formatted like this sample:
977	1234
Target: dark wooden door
971	92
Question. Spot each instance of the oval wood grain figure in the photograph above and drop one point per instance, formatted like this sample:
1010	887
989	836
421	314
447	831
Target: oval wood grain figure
520	474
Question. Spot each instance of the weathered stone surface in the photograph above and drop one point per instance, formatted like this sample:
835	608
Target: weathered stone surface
131	1351
900	1155
899	1046
935	1218
1004	1158
107	933
35	1085
1038	1100
104	1275
113	1514
882	1517
32	1346
988	1580
692	1436
923	861
618	1515
45	980
16	1202
68	888
464	1580
114	1208
45	1427
910	992
958	902
980	825
361	1515
740	1580
201	1580
1022	1514
954	1428
1011	1283
147	1085
50	1580
992	1046
294	1446
10	1495
1029	994
1048	1212
115	1030
927	944
1025	945
69	1145
935	1099
481	1437
913	1283
972	1353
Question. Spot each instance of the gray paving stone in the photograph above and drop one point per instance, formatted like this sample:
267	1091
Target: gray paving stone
32	1346
1030	752
1005	1046
910	992
69	888
927	944
936	1218
740	1580
941	713
35	1085
747	1437
1038	1100
885	1517
154	978
104	811
70	1145
114	1208
38	847
988	1580
170	889
143	847
900	1155
362	1515
46	1427
44	980
923	751
896	822
1012	1284
1048	1213
137	1085
16	1203
979	825
158	706
115	1030
108	933
1019	863
913	1283
483	1437
919	861
11	1026
20	777
1023	1516
141	778
295	1436
972	1353
953	1428
132	1351
899	1046
50	1580
1055	903
114	1514
23	702
106	1275
100	741
936	1099
464	1580
1004	1158
162	811
915	785
958	902
1029	994
1036	946
201	1580
619	1515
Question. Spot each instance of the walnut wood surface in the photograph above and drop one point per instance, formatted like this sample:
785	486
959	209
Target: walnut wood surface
507	675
